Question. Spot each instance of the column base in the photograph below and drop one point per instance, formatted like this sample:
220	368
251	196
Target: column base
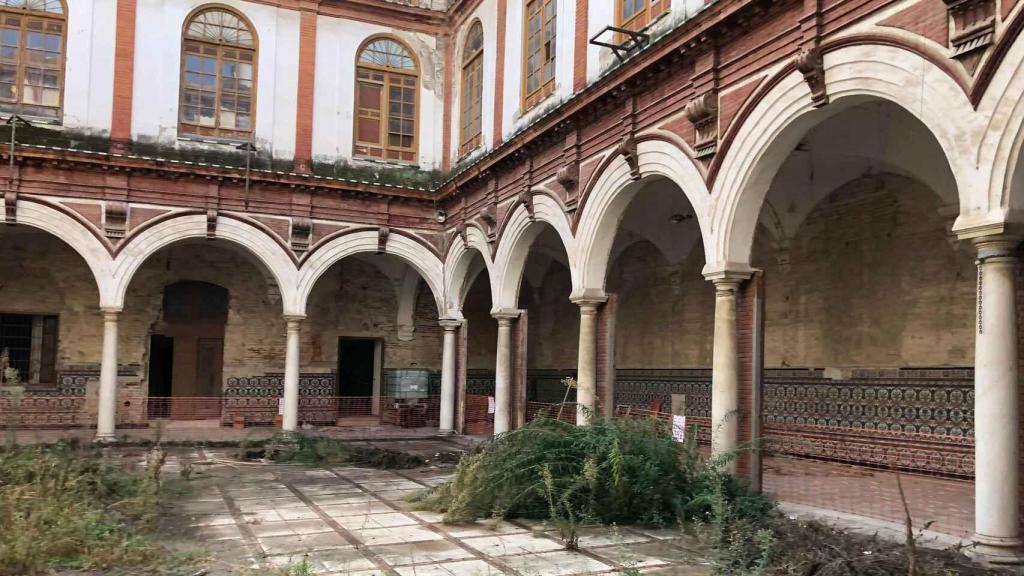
996	550
105	438
443	432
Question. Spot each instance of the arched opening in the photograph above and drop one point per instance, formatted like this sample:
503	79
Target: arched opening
546	344
660	305
371	346
868	316
50	331
481	332
201	326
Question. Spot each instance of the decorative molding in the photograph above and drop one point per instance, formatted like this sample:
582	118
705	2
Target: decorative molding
810	63
702	112
974	25
568	177
382	238
11	207
302	231
211	223
627	149
115	219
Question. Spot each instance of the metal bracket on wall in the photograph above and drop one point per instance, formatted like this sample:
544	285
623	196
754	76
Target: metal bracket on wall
632	41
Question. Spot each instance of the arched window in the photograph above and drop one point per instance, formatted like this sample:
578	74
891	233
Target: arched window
32	56
218	75
637	14
539	51
471	97
387	79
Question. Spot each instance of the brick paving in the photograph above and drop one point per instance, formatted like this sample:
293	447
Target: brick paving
358	522
947	503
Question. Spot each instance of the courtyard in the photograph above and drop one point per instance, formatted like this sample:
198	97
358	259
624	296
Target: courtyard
244	518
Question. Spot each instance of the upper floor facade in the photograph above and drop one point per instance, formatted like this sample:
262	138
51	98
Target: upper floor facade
422	84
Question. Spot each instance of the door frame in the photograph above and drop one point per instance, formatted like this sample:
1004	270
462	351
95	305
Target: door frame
378	369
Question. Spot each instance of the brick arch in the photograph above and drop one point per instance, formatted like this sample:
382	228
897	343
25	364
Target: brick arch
784	113
518	234
457	268
614	189
274	258
366	240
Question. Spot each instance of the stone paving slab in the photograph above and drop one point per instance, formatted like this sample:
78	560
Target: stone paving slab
357	522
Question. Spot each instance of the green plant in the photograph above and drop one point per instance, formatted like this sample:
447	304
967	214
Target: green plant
319	450
66	506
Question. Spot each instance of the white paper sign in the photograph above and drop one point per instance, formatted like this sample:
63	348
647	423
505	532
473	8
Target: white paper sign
280	406
490	404
679	428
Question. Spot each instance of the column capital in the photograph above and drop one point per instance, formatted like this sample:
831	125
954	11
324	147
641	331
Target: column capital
588	297
729	272
293	320
506	315
111	312
996	246
450	324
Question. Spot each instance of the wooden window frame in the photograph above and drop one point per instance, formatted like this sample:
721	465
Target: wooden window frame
651	11
468	143
386	104
46	373
546	88
193	130
18	106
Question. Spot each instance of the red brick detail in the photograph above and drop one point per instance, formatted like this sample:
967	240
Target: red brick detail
137	216
304	105
449	82
499	73
1008	6
587	170
320	230
279	226
478	421
729	103
749	323
681	127
92	212
580	45
124	71
519	370
605	379
928	18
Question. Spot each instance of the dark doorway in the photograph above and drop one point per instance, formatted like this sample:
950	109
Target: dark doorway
356	367
193	322
161	373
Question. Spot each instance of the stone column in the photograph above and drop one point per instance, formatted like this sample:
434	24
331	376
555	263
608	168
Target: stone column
447	417
724	371
996	409
503	373
291	374
106	422
586	366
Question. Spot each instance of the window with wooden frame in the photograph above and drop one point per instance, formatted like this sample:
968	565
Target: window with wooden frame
471	96
637	14
218	75
29	345
32	36
387	82
539	51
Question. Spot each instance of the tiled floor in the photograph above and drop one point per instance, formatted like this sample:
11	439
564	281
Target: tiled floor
948	504
357	522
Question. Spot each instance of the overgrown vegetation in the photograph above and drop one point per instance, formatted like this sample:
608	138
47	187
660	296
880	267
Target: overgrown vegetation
319	450
614	471
632	471
66	506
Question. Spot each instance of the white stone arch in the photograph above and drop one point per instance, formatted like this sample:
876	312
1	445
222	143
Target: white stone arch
519	233
854	74
1000	154
407	249
612	194
78	237
257	242
457	269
